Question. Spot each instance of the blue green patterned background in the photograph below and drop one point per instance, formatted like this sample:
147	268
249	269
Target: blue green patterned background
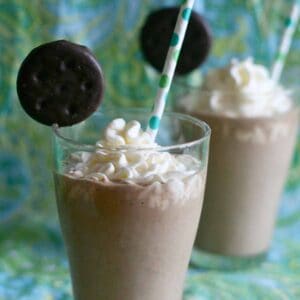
32	258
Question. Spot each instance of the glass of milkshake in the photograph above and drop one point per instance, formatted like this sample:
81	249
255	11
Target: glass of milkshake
254	126
129	208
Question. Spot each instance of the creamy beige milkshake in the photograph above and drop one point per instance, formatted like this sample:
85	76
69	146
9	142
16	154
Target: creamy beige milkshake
129	217
254	127
129	207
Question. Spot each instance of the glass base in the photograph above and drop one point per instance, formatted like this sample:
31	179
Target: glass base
209	261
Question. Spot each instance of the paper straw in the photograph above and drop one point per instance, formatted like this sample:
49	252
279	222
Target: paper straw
170	66
290	27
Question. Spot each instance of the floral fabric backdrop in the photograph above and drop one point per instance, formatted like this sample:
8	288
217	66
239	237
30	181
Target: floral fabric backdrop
32	258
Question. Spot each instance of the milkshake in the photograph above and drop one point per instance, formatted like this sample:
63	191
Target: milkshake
254	128
128	208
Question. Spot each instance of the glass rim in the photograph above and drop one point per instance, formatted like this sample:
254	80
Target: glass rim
245	119
91	147
199	89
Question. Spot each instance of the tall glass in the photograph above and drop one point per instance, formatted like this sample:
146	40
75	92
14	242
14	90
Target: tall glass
248	167
125	240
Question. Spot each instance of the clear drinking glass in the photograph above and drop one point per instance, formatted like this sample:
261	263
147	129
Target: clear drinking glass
248	167
125	240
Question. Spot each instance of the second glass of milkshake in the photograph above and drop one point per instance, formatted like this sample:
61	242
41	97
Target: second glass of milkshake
128	207
254	127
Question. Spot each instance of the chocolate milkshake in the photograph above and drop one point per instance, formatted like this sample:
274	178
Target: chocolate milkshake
129	216
254	155
254	127
128	207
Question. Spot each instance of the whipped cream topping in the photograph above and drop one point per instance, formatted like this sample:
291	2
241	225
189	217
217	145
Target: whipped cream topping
241	89
129	164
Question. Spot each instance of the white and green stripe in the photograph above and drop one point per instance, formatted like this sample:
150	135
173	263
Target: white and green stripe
170	66
290	27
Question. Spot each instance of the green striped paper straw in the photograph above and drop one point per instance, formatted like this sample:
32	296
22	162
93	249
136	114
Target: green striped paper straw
290	27
170	66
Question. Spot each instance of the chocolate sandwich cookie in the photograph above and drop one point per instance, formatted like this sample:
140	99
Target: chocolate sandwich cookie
156	34
60	83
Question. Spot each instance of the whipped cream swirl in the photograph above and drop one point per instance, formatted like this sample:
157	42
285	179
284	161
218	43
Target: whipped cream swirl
241	89
129	164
